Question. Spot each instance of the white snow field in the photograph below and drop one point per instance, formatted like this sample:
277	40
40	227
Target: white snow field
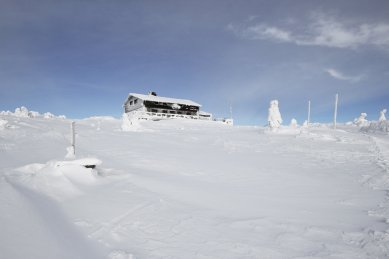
191	189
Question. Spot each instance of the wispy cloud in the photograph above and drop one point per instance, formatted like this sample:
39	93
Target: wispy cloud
320	30
339	75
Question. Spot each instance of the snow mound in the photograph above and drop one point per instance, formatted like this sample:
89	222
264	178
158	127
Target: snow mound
130	123
379	126
3	124
59	179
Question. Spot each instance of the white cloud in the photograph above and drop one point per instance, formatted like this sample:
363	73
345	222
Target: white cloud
268	32
321	30
339	75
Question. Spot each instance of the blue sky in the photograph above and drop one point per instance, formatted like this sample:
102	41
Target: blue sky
81	58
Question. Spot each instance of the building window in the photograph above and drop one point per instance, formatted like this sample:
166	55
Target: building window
135	101
131	102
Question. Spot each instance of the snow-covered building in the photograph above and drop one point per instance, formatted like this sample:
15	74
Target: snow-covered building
155	107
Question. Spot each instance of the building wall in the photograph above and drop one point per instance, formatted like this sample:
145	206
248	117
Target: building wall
133	104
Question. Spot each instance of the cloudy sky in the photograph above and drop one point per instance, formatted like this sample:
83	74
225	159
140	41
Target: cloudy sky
81	58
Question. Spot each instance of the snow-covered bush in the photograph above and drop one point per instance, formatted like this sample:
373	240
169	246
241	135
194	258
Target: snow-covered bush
5	113
48	115
274	117
33	114
361	120
21	112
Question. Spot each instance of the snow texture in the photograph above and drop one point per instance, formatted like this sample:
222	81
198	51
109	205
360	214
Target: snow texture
192	189
130	122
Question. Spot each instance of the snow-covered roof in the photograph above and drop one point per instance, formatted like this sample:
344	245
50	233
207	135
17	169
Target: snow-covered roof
161	99
205	113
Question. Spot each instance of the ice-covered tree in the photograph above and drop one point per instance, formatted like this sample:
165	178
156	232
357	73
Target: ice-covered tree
293	123
274	118
382	115
361	120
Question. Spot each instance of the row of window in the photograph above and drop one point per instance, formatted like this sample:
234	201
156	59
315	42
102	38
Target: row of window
134	102
171	112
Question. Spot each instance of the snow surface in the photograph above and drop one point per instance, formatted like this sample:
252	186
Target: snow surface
191	189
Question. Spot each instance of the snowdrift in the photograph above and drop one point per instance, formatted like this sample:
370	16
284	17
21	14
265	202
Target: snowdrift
59	179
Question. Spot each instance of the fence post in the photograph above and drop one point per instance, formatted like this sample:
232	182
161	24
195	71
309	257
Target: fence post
309	112
73	133
336	109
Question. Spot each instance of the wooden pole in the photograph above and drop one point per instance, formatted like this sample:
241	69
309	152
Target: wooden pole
309	112
336	109
73	133
231	110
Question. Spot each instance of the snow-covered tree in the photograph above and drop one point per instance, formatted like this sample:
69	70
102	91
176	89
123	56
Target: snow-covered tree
33	114
382	115
274	117
293	123
21	112
361	120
